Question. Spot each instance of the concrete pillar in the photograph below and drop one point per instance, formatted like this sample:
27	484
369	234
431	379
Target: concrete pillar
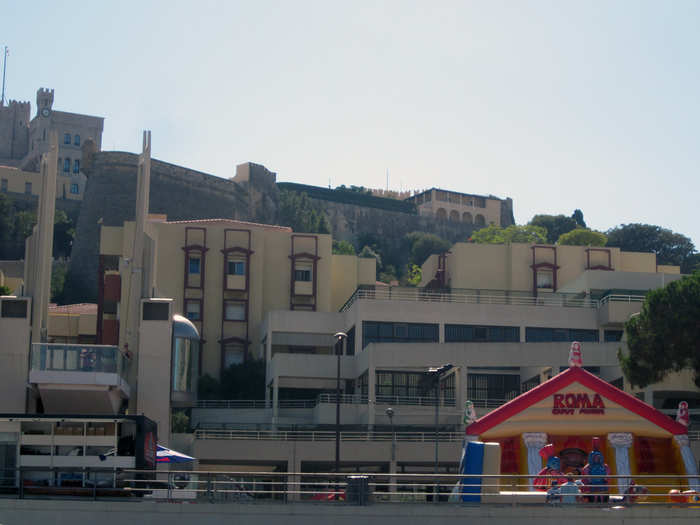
268	346
522	333
392	481
441	333
38	268
275	402
293	465
371	393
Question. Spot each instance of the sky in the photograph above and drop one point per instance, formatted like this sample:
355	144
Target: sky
556	104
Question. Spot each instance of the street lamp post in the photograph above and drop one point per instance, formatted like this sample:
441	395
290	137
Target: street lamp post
340	338
436	373
392	480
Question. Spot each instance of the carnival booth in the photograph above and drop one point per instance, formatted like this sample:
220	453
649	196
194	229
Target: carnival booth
580	424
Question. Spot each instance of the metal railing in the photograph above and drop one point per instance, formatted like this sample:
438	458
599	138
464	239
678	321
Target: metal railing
78	358
484	297
333	488
359	399
254	403
326	435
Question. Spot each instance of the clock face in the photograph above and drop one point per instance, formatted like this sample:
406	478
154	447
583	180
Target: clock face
45	112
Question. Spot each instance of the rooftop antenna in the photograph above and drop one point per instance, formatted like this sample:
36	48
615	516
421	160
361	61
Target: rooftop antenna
4	70
387	180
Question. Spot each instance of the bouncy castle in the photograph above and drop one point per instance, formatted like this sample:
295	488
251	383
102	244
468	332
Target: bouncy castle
577	421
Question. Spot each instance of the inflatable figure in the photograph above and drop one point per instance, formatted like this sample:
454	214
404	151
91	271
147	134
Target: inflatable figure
553	468
596	474
575	355
682	415
469	413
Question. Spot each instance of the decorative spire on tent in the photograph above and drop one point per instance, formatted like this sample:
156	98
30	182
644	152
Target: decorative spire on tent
575	355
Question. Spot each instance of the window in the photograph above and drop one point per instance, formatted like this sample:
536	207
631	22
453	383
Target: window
302	274
545	279
76	140
378	332
193	265
66	138
66	165
76	166
401	384
234	311
235	268
193	310
28	188
549	335
75	189
493	386
233	354
3	185
487	334
613	336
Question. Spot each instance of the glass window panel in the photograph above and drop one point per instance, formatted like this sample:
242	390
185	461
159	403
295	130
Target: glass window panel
235	312
194	265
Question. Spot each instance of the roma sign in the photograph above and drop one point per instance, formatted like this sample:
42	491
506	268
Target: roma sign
570	404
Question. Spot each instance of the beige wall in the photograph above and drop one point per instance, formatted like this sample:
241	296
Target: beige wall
17	178
508	266
68	327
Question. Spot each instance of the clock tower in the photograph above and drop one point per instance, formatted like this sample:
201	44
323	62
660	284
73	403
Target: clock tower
44	101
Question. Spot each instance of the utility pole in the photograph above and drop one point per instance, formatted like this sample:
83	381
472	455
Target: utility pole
4	70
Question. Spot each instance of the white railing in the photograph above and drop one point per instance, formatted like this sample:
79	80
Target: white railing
615	298
325	435
485	297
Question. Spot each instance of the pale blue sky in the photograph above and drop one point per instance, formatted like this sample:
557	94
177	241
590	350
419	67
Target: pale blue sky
559	105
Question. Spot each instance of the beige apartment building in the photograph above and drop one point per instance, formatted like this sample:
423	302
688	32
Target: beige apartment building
225	276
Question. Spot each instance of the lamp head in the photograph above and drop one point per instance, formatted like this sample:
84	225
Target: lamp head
389	412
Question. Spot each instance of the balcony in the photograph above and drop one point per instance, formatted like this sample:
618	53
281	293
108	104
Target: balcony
79	379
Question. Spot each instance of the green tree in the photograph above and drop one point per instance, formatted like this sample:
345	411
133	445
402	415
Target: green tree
422	245
300	213
59	271
343	248
5	290
493	234
388	274
63	234
583	237
415	274
369	253
578	217
6	225
244	381
208	388
669	247
665	336
180	422
555	225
